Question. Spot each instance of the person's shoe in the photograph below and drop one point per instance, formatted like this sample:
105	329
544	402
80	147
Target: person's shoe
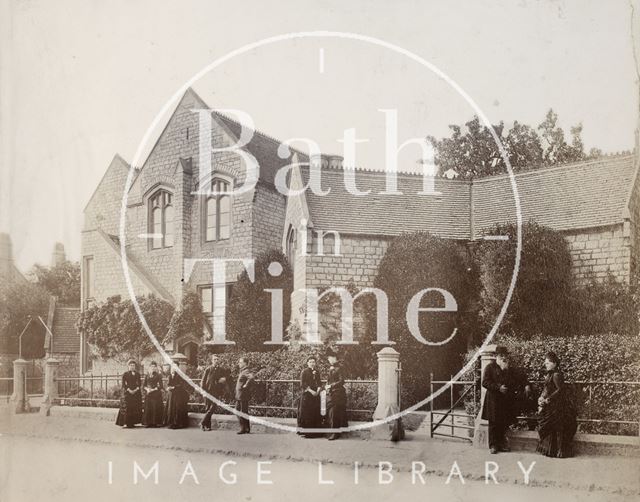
242	432
332	437
505	449
493	450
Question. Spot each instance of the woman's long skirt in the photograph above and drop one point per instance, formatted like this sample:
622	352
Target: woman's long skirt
337	411
153	410
130	412
309	411
176	412
556	428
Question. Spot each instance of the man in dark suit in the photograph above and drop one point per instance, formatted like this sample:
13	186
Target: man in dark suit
504	388
215	382
243	394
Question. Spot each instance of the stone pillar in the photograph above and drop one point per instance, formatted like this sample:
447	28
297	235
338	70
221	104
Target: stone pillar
50	385
19	399
180	360
388	388
481	431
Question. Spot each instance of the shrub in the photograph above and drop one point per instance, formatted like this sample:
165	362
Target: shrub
607	306
187	319
114	330
541	298
597	358
18	301
286	363
249	311
414	262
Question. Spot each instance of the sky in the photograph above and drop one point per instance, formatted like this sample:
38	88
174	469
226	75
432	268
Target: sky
82	80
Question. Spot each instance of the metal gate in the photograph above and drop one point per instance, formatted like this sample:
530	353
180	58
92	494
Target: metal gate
457	420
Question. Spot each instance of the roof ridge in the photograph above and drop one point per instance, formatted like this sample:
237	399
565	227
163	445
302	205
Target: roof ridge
559	167
256	131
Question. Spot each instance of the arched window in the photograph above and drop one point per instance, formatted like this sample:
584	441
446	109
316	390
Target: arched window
161	216
217	212
291	247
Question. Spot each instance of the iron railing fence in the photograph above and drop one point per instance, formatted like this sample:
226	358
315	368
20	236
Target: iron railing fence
275	398
6	386
604	406
34	386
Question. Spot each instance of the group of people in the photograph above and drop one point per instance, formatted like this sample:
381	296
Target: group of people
173	413
217	382
507	390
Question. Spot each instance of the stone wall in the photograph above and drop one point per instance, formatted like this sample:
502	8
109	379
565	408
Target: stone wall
357	263
268	219
599	252
109	277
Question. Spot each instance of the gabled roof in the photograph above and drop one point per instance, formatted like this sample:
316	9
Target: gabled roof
116	163
263	147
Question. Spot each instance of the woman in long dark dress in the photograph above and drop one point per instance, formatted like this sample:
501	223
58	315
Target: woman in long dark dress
309	408
336	398
153	410
176	413
130	412
557	415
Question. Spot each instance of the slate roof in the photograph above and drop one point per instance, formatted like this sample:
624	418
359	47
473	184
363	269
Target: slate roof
65	335
569	197
586	194
263	147
446	215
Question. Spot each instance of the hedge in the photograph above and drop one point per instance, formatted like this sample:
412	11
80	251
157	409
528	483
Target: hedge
286	364
597	358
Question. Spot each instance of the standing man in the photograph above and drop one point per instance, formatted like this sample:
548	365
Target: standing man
504	388
214	381
243	394
336	397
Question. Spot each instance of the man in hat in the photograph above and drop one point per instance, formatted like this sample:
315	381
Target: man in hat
214	381
504	387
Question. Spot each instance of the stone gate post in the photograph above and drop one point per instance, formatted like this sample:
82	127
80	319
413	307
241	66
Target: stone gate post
388	388
180	360
19	399
50	385
481	431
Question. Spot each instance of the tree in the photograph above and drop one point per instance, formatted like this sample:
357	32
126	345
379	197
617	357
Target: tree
412	263
62	281
556	149
115	331
18	301
471	150
249	311
541	298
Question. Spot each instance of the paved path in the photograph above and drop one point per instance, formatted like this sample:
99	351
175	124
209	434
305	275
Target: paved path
606	476
61	471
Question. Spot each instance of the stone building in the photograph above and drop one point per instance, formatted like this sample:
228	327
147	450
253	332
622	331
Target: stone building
593	203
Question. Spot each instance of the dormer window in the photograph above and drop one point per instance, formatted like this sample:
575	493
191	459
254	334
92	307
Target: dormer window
161	215
217	212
